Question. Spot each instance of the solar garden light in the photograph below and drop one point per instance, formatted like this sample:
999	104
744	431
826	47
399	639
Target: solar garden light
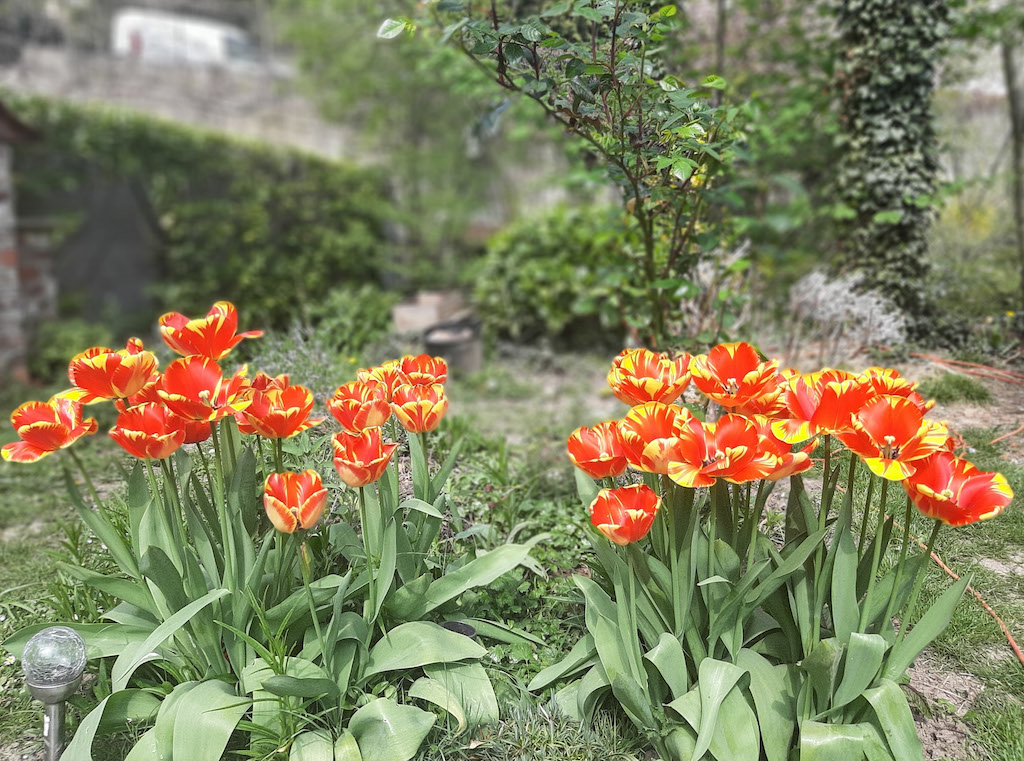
53	662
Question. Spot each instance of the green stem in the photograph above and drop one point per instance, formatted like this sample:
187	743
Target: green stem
174	537
88	480
918	583
227	537
229	441
370	605
304	562
907	515
279	455
872	479
876	556
175	502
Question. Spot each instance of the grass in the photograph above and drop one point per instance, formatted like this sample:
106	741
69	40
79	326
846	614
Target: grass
948	388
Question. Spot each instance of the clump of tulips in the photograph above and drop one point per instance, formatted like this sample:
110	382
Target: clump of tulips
721	641
237	602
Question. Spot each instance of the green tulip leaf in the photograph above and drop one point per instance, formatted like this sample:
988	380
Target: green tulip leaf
471	686
387	731
863	659
897	723
312	746
932	624
419	643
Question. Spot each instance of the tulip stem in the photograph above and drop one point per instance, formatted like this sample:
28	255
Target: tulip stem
229	441
907	515
175	506
226	535
87	479
918	583
304	562
872	478
865	611
279	455
370	606
174	540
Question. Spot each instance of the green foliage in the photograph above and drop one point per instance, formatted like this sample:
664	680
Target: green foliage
266	228
948	388
554	276
888	172
57	341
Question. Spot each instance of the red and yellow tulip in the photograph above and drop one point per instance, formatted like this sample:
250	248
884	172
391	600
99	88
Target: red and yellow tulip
359	405
419	408
822	403
890	434
195	389
787	462
625	515
598	451
278	413
424	369
150	431
729	448
294	500
649	431
955	492
100	373
389	373
46	427
212	336
733	375
361	458
640	375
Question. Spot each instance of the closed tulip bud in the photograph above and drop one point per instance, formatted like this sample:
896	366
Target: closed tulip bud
294	500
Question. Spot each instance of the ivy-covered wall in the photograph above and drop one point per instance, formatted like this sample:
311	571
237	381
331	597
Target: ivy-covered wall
888	50
269	229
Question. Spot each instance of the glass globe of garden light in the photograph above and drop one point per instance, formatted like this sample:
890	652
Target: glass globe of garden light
53	661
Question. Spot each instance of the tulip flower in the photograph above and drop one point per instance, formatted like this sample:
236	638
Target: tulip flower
100	373
45	427
890	434
361	458
733	374
822	403
424	369
294	500
263	382
195	389
787	462
278	413
728	448
359	405
887	382
149	431
955	492
419	408
648	431
390	374
625	515
640	375
597	451
212	336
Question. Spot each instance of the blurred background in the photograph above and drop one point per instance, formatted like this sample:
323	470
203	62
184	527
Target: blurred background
158	155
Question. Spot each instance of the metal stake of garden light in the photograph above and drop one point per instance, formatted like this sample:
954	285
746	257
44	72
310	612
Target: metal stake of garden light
53	662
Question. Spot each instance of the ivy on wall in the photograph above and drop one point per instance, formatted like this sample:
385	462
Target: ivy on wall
267	228
888	170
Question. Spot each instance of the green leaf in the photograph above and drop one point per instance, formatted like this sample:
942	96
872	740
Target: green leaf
845	610
80	747
312	746
419	643
420	506
890	217
830	742
500	632
585	487
893	714
602	618
774	700
471	686
101	640
822	667
392	27
863	659
734	729
715	680
123	589
437	693
105	532
283	685
667	656
206	717
713	82
133	657
579	657
387	731
126	708
932	624
346	748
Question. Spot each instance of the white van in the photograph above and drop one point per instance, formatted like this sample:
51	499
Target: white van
156	36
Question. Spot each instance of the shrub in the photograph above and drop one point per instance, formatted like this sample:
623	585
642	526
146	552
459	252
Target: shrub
952	387
55	341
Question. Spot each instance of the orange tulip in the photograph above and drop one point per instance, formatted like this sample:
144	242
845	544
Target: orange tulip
787	462
100	373
360	458
649	431
263	382
359	405
733	374
890	434
45	427
149	431
294	500
195	389
424	369
390	374
955	492
641	375
822	403
728	448
419	408
625	515
196	431
278	413
887	382
597	451
212	336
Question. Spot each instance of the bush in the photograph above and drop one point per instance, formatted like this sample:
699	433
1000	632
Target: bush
553	276
952	387
55	341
